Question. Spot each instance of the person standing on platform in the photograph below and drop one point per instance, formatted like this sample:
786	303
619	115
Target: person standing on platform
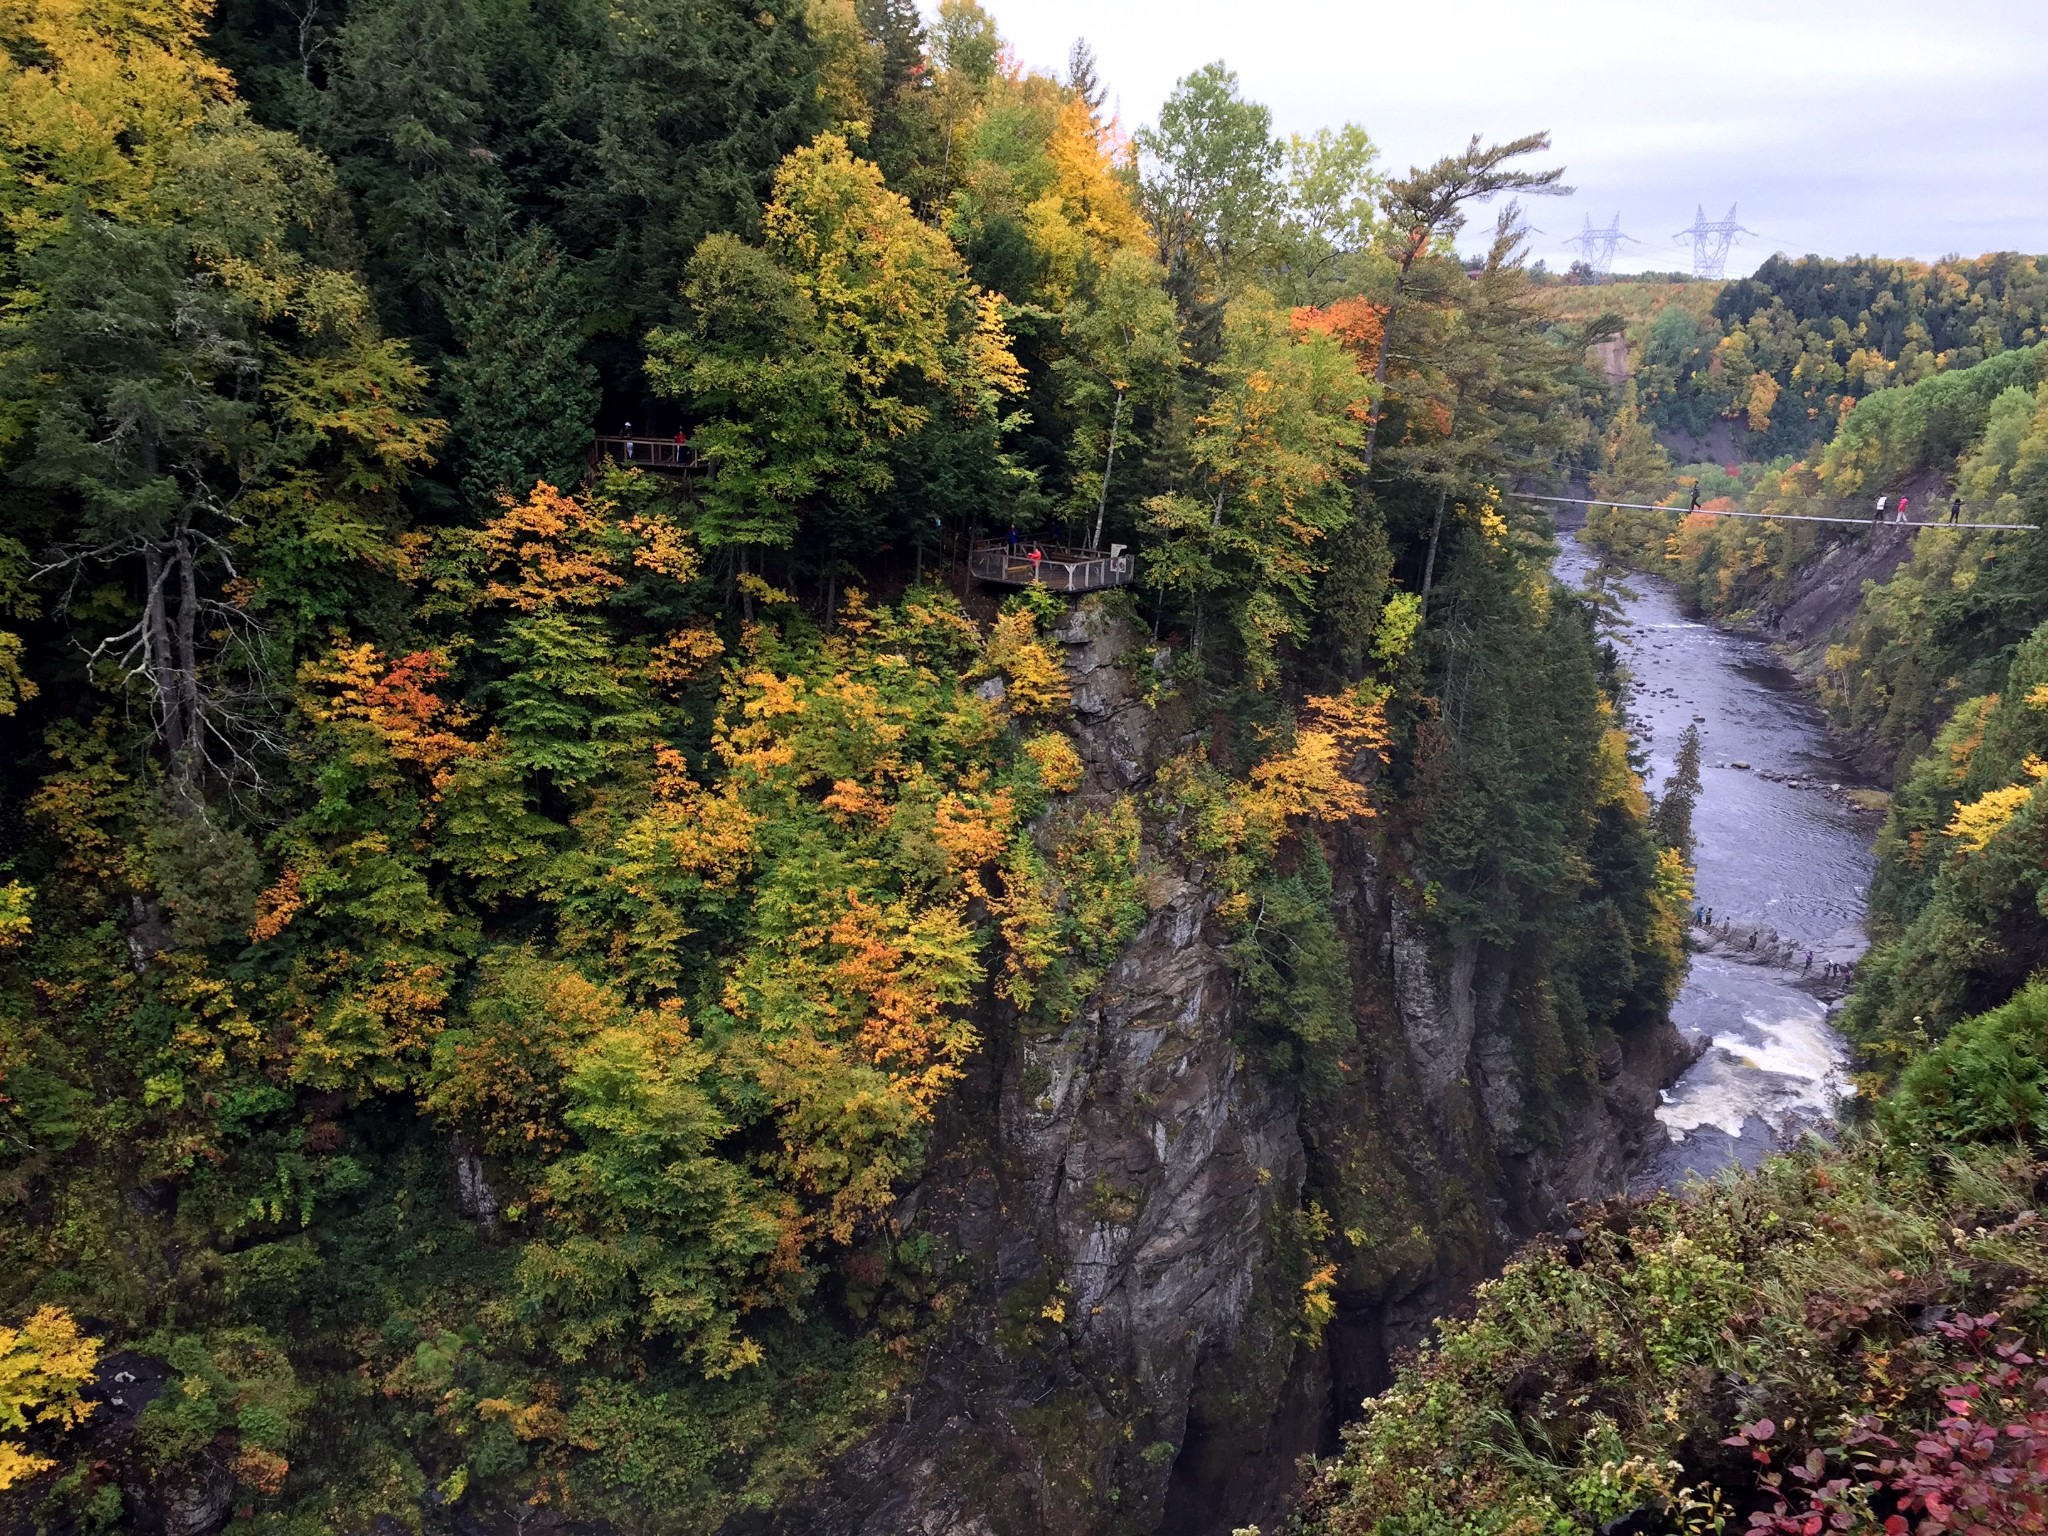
629	442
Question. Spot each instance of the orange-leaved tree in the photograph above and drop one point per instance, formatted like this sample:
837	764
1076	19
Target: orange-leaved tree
683	931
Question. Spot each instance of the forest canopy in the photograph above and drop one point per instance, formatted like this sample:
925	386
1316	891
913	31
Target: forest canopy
491	931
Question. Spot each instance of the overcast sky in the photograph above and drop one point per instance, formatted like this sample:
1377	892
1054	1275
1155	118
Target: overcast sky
1887	127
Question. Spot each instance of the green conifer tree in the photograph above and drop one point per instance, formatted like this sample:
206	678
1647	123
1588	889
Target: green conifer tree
524	398
1633	464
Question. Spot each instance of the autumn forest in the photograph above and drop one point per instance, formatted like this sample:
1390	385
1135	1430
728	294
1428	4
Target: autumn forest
566	966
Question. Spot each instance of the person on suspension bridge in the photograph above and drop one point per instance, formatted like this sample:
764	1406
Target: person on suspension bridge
1695	497
1902	511
1955	510
1877	516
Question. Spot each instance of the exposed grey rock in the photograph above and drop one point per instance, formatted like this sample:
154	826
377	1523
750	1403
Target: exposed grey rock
198	1504
1119	736
1154	1160
474	1196
149	932
1436	1011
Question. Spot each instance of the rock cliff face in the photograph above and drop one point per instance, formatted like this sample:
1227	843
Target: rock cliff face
1824	596
1123	1199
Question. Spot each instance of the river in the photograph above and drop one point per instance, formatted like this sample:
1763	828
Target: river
1783	857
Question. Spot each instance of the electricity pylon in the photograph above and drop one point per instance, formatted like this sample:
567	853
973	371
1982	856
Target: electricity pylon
1596	247
1710	241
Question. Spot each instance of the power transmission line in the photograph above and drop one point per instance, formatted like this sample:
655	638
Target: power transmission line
1596	247
1711	240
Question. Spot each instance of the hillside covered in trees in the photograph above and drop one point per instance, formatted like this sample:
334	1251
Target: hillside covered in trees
540	994
1848	1338
1781	356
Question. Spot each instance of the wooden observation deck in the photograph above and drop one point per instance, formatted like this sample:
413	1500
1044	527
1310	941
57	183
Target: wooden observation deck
647	453
1061	567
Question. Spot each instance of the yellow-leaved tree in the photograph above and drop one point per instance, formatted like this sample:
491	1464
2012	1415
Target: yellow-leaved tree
95	96
1245	540
812	360
45	1366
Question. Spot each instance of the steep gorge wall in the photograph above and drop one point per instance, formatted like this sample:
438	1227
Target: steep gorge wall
1124	1202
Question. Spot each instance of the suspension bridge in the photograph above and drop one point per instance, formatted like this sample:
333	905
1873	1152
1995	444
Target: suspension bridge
1867	520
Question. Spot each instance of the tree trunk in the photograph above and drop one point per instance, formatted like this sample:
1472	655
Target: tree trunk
157	650
1443	495
188	653
1435	528
1379	371
1102	503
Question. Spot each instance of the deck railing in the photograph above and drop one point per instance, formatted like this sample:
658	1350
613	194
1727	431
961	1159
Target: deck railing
1061	567
648	453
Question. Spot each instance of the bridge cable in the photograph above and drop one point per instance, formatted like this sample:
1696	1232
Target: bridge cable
1774	517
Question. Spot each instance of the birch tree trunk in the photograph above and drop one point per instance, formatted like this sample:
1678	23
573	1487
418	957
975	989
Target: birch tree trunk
1116	418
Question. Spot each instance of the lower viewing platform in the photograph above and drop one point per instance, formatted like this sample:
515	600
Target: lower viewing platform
646	453
1061	567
